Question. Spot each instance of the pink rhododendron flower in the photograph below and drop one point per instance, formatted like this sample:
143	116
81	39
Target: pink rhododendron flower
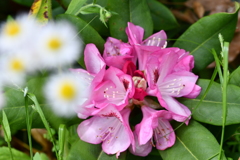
154	126
110	127
127	76
166	83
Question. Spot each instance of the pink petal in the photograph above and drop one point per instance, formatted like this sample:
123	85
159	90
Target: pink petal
149	122
185	64
110	128
116	53
195	92
135	33
117	61
164	135
98	77
158	39
154	124
116	88
168	61
144	53
177	84
93	59
140	150
146	126
180	112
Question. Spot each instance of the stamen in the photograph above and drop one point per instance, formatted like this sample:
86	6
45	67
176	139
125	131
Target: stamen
153	40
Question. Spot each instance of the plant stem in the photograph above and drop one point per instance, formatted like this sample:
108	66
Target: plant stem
61	135
44	120
10	150
28	126
224	94
218	66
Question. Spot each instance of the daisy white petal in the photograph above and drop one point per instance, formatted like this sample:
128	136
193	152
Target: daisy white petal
17	33
65	92
58	44
15	66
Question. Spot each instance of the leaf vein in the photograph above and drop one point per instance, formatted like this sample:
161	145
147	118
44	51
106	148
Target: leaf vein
186	148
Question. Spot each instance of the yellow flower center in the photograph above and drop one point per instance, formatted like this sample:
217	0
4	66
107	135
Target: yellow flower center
16	65
54	44
12	28
67	91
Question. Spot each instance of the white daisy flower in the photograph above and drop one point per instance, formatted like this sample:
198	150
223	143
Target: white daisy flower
15	66
58	44
17	33
65	92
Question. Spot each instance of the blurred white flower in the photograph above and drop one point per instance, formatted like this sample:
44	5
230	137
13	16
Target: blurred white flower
65	92
15	66
58	45
18	33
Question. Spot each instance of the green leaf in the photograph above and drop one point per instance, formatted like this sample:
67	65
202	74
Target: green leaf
192	142
135	11
86	32
234	77
24	2
40	156
75	6
210	110
37	156
202	36
81	150
64	3
7	131
162	17
5	154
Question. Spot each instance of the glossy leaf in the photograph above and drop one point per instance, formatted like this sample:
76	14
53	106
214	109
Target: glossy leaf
64	3
5	154
162	17
234	77
81	150
24	2
135	11
192	142
75	6
202	36
210	110
42	10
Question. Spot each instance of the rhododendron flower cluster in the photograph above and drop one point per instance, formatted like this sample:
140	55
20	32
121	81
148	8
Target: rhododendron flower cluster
124	80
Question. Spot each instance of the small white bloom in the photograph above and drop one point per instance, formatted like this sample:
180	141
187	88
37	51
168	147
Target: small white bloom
65	92
15	66
58	44
17	33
